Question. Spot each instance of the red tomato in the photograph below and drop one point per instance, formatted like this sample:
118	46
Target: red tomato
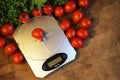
70	33
38	33
10	49
77	16
48	9
86	23
59	11
70	6
18	58
77	42
65	24
24	17
7	29
36	12
2	42
83	33
84	3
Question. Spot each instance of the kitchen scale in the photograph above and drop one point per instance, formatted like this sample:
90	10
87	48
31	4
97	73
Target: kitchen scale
48	55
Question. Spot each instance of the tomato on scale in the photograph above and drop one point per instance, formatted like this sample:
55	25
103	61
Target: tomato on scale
38	33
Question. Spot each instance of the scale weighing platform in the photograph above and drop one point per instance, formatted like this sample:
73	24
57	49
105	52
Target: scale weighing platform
48	55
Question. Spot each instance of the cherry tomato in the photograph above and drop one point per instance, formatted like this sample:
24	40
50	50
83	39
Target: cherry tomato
84	3
65	24
86	23
70	33
24	17
59	11
48	9
10	49
70	6
36	12
38	33
2	42
77	42
77	16
83	33
7	29
18	58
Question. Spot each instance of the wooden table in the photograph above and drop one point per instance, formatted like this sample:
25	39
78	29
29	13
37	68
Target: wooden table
98	60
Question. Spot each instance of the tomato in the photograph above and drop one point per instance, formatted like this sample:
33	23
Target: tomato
65	24
83	33
70	33
77	42
86	23
77	16
7	29
10	49
38	33
70	6
48	9
84	3
18	58
2	42
24	17
36	12
59	11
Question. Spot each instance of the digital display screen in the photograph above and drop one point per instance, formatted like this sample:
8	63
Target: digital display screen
55	61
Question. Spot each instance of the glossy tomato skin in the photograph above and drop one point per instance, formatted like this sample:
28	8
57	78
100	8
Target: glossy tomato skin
65	24
77	16
2	42
10	49
24	17
70	33
18	58
7	29
70	6
48	9
59	11
36	12
38	33
86	23
84	3
83	33
77	42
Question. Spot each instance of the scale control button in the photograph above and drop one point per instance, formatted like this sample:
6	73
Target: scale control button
44	67
64	56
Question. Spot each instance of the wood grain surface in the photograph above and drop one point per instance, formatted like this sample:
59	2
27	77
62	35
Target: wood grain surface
98	60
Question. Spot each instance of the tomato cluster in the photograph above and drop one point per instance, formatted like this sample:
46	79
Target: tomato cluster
76	36
9	45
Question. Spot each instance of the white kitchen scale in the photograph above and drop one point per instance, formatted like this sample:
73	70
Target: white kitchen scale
48	55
